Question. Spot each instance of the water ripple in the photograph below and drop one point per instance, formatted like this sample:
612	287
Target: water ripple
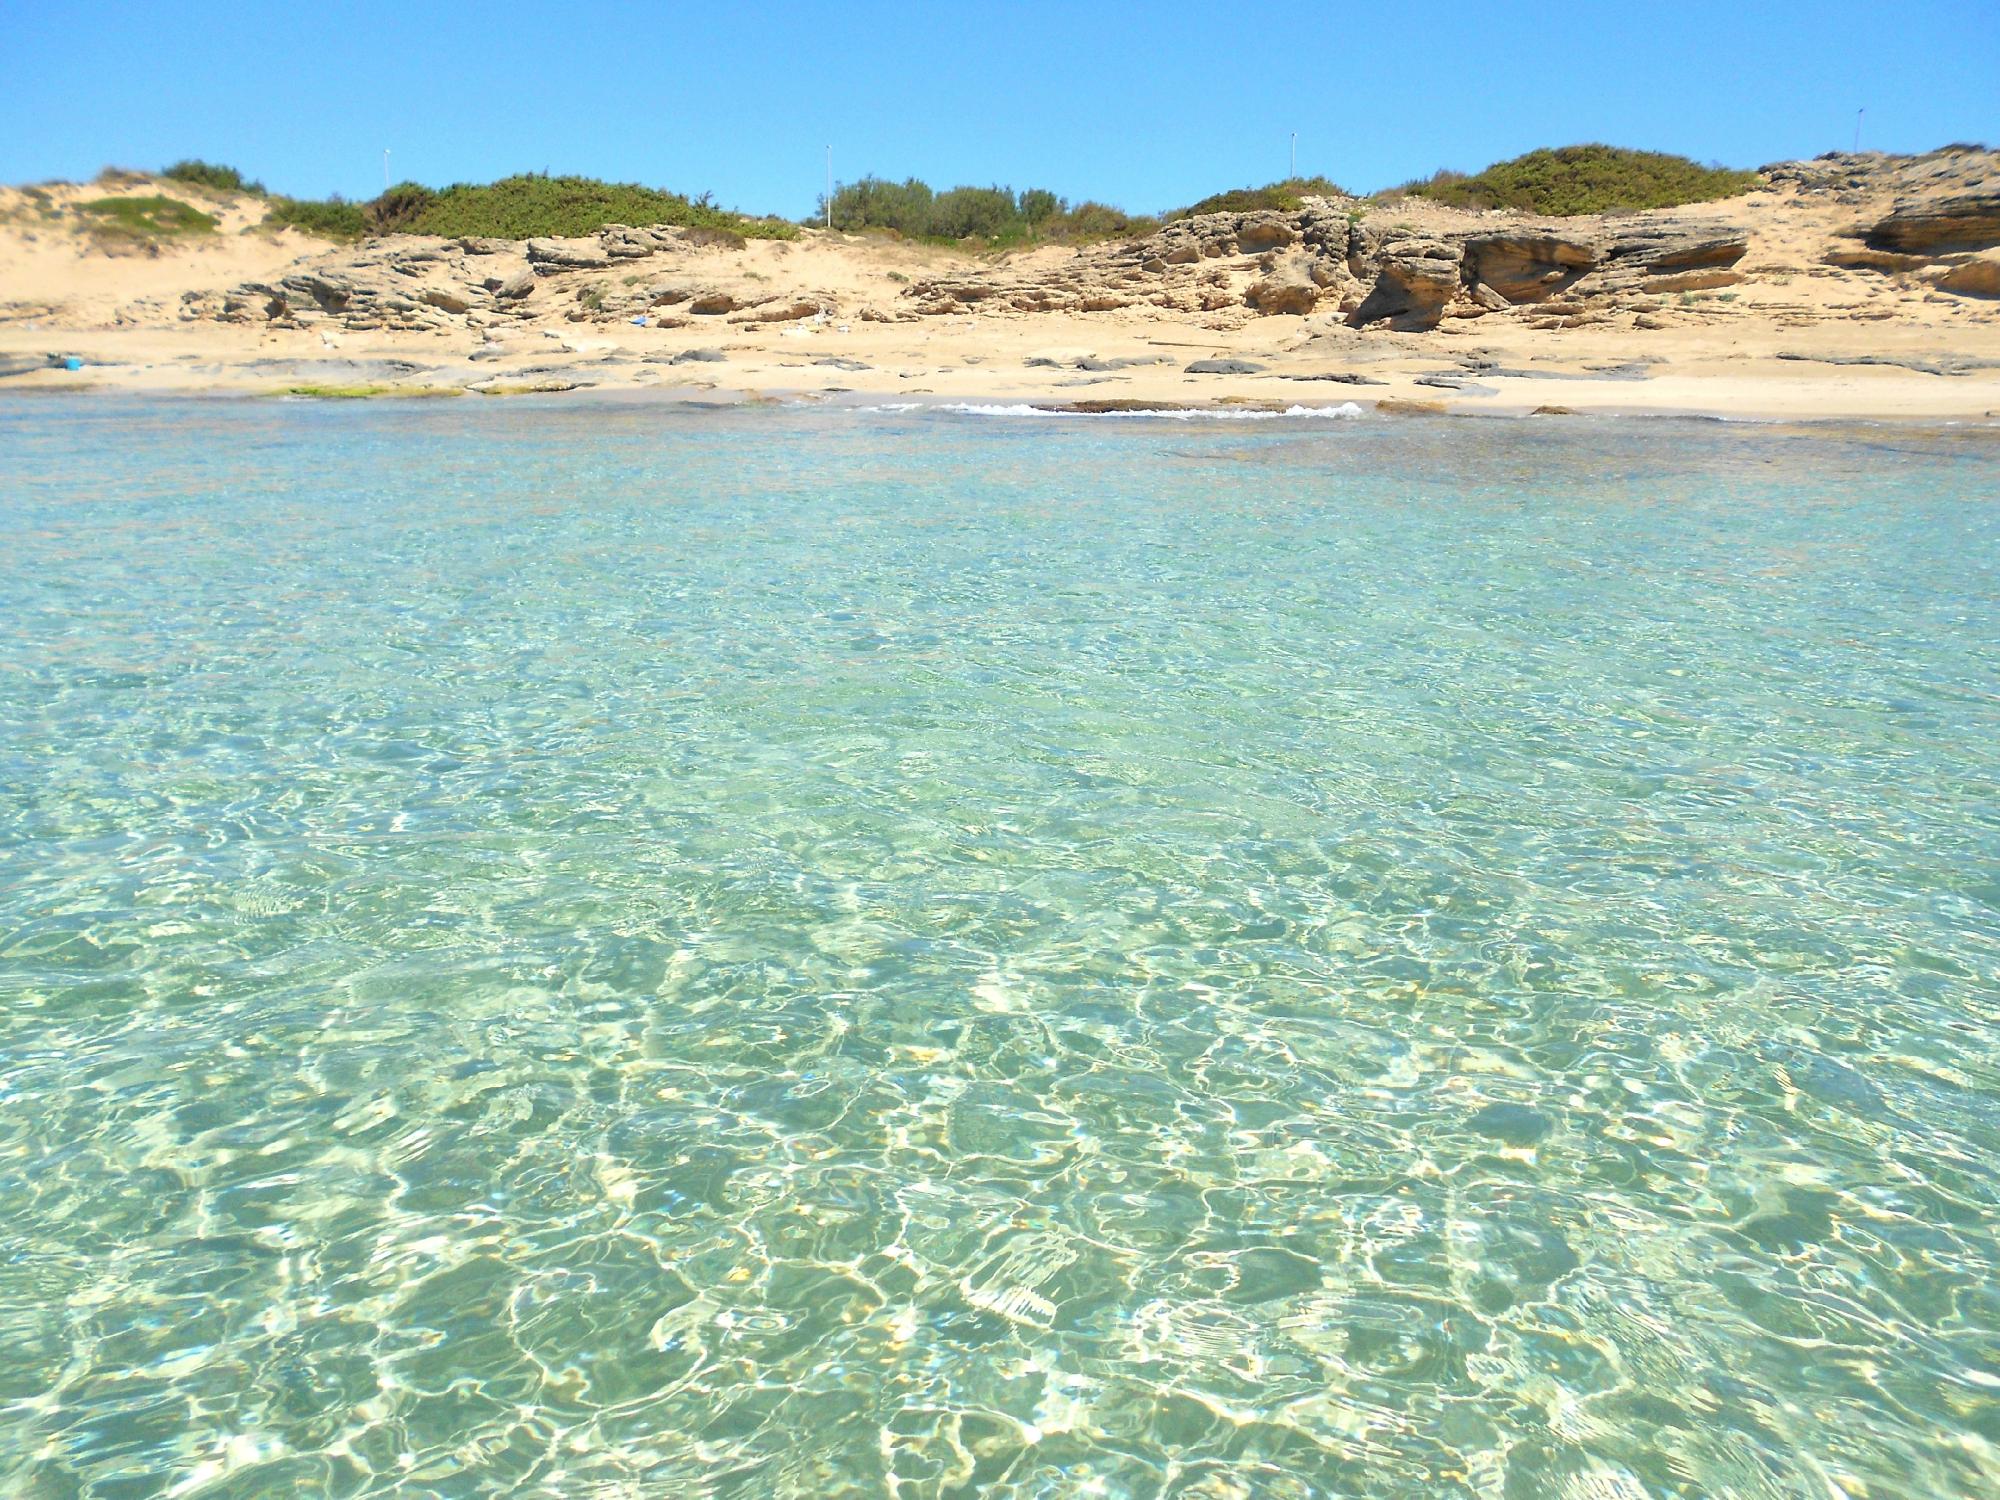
758	954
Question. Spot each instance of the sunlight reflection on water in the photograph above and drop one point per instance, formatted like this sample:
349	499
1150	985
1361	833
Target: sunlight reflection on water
623	950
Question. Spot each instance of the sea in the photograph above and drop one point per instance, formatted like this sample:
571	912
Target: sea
624	949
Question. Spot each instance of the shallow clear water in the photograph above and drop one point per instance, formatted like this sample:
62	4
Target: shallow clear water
627	951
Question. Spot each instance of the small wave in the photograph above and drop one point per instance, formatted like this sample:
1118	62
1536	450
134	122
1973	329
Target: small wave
893	407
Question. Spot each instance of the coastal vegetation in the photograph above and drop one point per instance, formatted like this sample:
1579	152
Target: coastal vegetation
1281	197
329	218
1565	180
150	216
533	204
1590	179
208	174
998	217
524	206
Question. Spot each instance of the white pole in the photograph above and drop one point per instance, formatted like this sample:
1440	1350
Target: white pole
385	169
829	187
1857	130
1295	155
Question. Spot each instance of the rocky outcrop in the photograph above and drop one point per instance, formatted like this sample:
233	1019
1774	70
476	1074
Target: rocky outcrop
1373	264
1527	267
1978	277
1415	280
401	288
1861	258
1689	281
1656	256
1265	232
1293	293
786	310
411	283
548	256
1331	253
1930	226
1663	246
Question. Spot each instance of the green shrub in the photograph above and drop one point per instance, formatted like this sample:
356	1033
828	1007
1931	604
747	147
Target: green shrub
1039	205
1282	197
997	216
1584	180
329	218
152	217
210	174
702	236
517	208
987	212
1091	220
398	208
875	203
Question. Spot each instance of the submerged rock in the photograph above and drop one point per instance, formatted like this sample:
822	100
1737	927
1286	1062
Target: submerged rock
1513	1124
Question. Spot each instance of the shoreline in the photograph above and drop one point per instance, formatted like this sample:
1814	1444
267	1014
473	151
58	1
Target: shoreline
1744	401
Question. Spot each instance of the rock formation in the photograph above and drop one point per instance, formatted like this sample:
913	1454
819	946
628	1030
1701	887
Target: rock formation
1404	267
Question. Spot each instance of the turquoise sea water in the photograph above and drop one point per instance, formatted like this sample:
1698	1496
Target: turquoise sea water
627	951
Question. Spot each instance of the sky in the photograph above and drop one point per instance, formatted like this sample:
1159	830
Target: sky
1144	106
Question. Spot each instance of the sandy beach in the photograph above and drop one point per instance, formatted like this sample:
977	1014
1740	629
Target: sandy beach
1783	311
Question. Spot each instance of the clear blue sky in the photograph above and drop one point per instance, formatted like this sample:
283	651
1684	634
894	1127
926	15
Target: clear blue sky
1146	106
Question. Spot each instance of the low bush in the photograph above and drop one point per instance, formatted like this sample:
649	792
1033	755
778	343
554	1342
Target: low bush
522	207
152	216
1281	197
996	217
210	174
329	218
1591	179
518	208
